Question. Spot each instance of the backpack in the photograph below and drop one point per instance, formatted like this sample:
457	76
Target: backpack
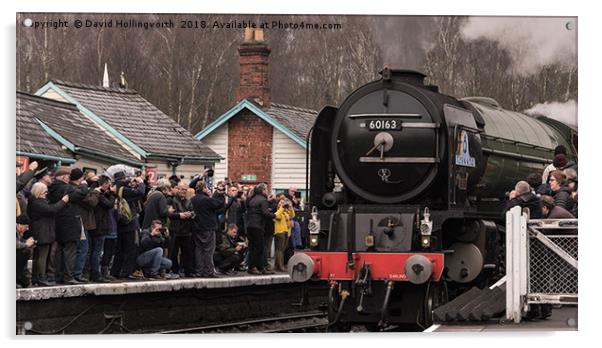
124	213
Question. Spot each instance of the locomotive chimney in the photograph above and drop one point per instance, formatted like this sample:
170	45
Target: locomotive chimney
412	77
254	54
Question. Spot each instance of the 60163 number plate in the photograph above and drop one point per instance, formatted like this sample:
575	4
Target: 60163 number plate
383	125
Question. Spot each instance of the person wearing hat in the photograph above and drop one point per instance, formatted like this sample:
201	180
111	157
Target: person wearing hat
24	251
68	225
44	176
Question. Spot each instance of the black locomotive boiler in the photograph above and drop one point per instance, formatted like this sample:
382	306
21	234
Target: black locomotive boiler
406	192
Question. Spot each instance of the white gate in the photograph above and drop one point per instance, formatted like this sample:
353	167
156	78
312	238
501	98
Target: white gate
541	262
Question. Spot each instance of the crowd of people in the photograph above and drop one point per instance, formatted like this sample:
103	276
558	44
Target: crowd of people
79	227
553	195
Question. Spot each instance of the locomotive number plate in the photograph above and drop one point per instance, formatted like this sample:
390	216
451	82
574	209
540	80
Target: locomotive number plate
378	125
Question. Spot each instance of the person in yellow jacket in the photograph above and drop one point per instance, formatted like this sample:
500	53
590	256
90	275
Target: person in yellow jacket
283	222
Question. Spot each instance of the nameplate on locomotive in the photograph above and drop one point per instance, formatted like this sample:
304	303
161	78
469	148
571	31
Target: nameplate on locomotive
463	157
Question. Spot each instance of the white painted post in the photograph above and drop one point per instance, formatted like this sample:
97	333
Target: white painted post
513	275
523	266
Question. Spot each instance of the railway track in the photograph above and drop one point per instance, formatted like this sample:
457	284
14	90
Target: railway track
315	321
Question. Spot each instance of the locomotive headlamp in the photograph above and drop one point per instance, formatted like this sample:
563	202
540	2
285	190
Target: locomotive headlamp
426	225
314	222
426	242
314	227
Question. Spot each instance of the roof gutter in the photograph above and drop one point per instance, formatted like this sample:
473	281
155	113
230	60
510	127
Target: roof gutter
46	157
182	159
103	156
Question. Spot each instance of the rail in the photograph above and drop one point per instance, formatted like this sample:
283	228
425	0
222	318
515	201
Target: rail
541	262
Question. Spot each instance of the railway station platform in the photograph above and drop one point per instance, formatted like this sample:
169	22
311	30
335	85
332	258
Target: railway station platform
153	306
148	286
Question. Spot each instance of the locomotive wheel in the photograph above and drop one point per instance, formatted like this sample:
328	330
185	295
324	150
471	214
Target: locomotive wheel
436	296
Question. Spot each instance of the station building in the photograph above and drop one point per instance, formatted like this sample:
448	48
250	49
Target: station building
94	127
261	141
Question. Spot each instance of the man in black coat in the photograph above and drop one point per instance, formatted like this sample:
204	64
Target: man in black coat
181	247
204	229
258	212
236	209
132	191
68	222
523	196
106	201
155	207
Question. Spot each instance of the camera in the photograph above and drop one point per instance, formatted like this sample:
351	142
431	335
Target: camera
163	231
239	194
210	173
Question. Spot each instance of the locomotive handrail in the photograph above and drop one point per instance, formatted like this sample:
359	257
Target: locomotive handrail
516	142
515	155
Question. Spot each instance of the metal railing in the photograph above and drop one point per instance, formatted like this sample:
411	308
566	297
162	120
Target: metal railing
541	262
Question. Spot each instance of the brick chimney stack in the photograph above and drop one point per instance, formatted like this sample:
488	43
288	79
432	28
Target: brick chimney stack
254	82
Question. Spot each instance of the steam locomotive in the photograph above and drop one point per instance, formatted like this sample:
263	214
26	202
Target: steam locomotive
407	189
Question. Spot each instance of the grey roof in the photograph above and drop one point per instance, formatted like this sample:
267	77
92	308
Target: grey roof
138	120
82	132
31	137
298	120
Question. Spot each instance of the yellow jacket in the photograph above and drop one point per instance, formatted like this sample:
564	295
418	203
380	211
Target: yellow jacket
283	220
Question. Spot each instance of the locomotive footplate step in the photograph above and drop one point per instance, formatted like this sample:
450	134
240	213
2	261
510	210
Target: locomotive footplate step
474	305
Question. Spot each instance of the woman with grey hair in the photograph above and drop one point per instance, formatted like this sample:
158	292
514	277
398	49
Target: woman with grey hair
41	226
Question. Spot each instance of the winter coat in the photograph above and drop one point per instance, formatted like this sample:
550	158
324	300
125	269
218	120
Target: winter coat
236	214
560	213
23	179
106	202
283	220
180	227
87	206
527	200
148	242
227	247
68	224
269	223
206	209
258	212
133	197
563	198
42	219
155	208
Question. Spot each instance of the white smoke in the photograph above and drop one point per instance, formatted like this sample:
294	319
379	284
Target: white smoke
533	42
563	112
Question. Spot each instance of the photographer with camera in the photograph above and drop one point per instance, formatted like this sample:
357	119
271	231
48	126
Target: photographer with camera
129	193
231	251
181	247
235	209
206	177
155	207
151	260
205	227
283	224
258	215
